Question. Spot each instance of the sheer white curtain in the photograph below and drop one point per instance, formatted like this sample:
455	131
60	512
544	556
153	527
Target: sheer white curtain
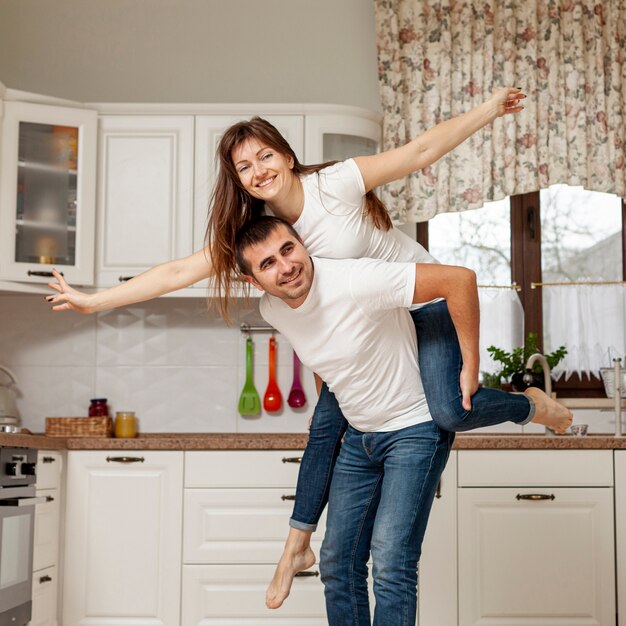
501	323
589	320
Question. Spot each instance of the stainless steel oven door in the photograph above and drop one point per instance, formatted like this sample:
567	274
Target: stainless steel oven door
17	524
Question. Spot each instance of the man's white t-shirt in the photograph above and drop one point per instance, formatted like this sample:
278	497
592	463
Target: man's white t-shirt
354	330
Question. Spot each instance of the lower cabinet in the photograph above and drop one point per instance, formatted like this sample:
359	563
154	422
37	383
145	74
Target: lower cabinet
620	525
123	546
45	591
534	549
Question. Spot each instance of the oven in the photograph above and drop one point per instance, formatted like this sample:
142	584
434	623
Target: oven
17	527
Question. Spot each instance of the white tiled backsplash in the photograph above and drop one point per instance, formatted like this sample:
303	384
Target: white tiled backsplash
177	365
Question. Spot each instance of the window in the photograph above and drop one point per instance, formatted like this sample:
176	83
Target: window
561	234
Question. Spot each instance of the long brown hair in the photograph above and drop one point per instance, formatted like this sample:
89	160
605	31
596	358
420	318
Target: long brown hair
232	206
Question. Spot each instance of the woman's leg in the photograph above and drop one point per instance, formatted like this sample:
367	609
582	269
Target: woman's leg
328	426
440	364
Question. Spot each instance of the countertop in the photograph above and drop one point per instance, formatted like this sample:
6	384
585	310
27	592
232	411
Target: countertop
282	441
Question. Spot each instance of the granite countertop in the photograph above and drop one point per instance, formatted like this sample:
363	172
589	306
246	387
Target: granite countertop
296	441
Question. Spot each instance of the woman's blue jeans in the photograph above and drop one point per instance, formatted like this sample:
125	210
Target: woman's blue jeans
380	498
440	363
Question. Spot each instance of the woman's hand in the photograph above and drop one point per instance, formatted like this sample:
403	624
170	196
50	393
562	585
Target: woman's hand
506	100
68	298
469	386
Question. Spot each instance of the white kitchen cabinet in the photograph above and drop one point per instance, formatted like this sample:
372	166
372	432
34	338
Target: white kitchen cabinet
145	193
620	530
47	192
534	549
45	590
123	547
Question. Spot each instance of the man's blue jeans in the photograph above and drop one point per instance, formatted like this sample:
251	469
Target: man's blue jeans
380	499
440	364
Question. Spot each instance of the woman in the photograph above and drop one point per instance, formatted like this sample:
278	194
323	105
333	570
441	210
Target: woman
333	208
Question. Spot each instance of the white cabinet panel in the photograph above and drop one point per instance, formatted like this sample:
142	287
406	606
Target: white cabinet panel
239	525
620	530
233	595
123	546
45	588
242	468
531	562
49	469
145	193
46	542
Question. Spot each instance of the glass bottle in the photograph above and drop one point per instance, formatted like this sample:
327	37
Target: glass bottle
98	407
125	424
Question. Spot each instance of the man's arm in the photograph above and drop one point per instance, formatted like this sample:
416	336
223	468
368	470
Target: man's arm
458	286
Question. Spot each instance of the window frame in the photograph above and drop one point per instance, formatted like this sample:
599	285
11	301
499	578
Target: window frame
526	269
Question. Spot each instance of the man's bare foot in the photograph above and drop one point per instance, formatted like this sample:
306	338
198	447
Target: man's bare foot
549	412
289	565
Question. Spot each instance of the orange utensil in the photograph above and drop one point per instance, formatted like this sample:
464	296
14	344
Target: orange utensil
272	400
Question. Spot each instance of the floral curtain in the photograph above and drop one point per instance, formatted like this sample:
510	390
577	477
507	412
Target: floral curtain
440	58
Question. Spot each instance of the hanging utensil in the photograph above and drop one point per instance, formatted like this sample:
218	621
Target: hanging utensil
273	399
249	400
296	395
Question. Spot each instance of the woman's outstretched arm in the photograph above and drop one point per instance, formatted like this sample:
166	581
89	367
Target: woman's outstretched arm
430	146
156	281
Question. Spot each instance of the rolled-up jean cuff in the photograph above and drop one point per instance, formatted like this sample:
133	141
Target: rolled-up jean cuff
311	528
531	412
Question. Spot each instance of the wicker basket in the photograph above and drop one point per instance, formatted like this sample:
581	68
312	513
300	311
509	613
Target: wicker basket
79	426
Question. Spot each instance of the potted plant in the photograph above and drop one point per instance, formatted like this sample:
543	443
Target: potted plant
514	364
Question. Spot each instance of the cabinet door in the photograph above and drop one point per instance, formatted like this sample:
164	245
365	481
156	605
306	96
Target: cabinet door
49	469
46	542
620	526
145	193
45	587
536	557
47	192
123	538
438	564
339	137
209	131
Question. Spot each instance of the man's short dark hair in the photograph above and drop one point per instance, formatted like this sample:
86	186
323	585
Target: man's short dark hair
256	231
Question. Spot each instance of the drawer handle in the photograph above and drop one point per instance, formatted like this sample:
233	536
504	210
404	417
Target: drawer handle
284	497
123	279
45	579
292	459
438	492
48	459
307	574
44	274
49	499
125	459
534	496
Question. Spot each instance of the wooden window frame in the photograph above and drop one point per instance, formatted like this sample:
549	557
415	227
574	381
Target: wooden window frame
526	269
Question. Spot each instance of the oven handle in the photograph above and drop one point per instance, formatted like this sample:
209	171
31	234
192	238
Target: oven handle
23	501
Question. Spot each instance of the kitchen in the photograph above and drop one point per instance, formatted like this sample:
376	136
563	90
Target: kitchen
178	367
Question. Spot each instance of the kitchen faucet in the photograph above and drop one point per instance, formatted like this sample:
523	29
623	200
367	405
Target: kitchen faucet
547	381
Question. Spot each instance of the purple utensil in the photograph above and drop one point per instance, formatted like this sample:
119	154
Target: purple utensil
296	395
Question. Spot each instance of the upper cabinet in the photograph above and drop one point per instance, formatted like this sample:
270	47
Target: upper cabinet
47	192
145	193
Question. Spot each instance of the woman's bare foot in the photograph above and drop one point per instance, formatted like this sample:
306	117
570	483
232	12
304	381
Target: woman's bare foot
549	412
289	565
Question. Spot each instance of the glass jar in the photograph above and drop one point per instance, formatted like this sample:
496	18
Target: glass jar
99	408
125	424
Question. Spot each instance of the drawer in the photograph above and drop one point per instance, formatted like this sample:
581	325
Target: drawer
238	525
45	586
246	468
46	542
234	595
49	468
535	468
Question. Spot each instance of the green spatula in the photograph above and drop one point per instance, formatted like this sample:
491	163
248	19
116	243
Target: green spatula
249	400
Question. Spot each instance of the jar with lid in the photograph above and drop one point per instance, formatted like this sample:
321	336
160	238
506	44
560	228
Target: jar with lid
125	424
98	407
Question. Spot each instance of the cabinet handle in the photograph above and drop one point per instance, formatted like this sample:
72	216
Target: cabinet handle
307	574
438	492
534	496
49	499
48	459
123	279
45	274
283	497
292	459
45	579
125	459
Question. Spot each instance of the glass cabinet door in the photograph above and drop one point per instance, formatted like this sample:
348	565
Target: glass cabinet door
47	210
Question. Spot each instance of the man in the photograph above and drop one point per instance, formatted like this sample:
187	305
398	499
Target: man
348	321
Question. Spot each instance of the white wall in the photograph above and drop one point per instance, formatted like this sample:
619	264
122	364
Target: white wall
191	50
179	367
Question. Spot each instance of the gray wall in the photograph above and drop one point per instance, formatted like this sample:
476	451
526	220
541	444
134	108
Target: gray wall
191	50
